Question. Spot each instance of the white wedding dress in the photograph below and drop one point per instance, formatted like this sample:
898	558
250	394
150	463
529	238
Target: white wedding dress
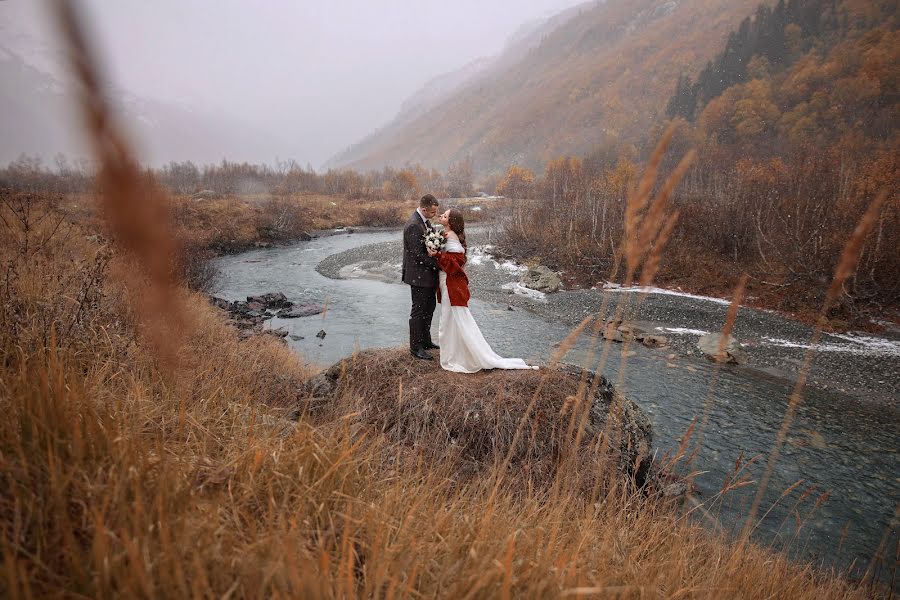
463	348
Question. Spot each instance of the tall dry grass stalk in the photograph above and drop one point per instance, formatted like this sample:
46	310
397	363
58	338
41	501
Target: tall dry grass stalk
646	234
136	208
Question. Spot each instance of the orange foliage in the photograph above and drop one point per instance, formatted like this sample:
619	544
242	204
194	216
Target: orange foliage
517	183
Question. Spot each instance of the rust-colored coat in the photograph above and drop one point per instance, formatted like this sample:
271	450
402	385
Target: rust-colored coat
452	263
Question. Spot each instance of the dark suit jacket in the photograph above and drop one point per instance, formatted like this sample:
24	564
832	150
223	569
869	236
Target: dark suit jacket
419	269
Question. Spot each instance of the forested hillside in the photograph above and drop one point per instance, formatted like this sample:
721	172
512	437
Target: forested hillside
795	120
804	72
603	73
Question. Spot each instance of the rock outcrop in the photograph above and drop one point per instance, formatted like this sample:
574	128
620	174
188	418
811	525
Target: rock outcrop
731	350
483	418
249	316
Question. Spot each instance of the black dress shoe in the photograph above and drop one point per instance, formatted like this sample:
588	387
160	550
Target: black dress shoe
421	354
430	346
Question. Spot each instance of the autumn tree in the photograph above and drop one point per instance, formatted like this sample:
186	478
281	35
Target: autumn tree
517	183
403	185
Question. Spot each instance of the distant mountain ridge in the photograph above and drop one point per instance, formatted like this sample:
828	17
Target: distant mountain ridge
440	88
596	71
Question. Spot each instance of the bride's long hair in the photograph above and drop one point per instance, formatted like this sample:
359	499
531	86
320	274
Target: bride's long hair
458	226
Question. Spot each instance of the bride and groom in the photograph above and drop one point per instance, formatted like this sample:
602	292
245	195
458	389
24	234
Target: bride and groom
440	277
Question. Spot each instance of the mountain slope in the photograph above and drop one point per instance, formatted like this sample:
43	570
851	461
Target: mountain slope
604	71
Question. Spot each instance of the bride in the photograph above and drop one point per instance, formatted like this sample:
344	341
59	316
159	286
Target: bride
463	348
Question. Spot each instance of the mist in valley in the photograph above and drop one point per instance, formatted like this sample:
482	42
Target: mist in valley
206	81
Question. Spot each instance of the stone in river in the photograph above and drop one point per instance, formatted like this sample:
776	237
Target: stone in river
731	349
271	300
302	310
321	335
220	302
611	331
654	341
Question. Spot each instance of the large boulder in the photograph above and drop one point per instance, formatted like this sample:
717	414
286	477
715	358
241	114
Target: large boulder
731	350
541	278
482	418
271	300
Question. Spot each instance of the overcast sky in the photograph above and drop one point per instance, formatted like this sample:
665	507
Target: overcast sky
321	74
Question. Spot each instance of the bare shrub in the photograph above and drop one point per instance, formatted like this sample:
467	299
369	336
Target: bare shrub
281	219
195	267
380	216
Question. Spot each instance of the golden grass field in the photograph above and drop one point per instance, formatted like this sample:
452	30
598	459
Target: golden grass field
129	470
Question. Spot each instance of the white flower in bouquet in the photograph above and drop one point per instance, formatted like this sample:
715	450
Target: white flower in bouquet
434	240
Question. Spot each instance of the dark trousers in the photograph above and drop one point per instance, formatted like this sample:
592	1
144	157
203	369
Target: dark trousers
424	301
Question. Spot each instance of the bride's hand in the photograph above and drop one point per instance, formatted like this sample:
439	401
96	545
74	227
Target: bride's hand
431	252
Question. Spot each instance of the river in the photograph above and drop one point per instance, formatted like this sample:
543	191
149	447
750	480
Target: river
842	449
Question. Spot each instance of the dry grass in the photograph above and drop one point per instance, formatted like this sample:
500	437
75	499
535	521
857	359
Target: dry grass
473	423
127	475
124	478
235	223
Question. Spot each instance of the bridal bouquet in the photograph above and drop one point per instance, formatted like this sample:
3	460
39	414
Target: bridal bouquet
434	240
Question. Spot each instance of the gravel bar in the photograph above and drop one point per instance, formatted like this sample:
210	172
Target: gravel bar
772	342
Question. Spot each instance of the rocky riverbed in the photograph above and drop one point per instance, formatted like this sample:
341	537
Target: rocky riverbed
861	365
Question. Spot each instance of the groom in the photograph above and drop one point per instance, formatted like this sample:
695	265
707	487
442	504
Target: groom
420	272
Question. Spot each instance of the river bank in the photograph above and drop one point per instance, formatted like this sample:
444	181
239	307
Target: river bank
860	365
839	444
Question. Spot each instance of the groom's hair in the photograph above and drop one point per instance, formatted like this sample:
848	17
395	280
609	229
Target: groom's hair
428	200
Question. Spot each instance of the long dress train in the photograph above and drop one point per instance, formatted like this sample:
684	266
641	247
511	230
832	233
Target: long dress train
463	347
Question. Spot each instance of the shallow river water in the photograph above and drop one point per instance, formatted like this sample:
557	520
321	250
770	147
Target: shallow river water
838	446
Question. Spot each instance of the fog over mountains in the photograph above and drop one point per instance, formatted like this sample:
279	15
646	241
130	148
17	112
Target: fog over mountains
599	72
38	119
205	81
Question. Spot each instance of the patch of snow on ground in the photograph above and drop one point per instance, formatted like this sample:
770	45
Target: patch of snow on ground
615	287
682	331
511	267
518	288
476	259
872	344
860	345
479	255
